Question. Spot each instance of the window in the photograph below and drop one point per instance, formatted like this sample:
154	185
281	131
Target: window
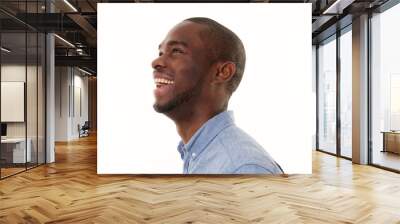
385	88
346	93
327	96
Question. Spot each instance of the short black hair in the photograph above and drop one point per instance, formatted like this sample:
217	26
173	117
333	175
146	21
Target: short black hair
226	46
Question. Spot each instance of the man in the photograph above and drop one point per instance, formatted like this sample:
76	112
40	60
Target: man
200	65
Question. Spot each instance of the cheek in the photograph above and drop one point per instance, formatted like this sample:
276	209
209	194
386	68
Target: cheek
187	77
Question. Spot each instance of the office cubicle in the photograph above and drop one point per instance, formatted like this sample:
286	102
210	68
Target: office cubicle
22	77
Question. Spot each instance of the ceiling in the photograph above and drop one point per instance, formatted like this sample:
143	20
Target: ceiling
76	22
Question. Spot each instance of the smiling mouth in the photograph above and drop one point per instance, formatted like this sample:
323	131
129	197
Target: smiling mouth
162	82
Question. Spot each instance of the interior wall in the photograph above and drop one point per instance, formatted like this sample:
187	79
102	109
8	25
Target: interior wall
62	80
71	102
81	83
17	73
33	126
92	84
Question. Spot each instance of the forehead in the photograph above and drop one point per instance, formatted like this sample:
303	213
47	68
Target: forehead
185	32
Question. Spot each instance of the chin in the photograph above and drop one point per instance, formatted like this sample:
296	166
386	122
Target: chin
157	107
162	108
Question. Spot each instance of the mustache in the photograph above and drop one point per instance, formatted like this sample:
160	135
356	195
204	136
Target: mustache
162	72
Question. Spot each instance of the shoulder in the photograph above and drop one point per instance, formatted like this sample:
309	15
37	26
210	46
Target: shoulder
245	154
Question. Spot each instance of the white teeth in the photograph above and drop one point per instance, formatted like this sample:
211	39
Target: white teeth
163	81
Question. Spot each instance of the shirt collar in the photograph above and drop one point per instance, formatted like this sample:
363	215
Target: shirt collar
206	133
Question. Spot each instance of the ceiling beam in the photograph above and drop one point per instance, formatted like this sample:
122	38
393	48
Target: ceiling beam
337	6
320	22
85	61
84	24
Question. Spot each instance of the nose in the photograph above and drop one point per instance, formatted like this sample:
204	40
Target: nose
158	63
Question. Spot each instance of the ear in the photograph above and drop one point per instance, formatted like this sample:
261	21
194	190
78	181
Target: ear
225	72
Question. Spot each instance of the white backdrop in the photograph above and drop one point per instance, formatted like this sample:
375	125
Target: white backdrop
272	103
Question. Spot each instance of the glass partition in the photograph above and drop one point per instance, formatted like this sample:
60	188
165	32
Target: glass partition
327	96
35	49
32	95
13	109
41	109
385	89
346	93
22	63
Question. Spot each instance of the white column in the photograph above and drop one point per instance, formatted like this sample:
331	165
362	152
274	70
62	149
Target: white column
360	90
50	93
50	110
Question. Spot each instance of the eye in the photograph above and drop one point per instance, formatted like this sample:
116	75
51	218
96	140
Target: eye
160	53
177	50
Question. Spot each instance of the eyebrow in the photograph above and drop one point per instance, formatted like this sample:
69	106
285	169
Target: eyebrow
175	42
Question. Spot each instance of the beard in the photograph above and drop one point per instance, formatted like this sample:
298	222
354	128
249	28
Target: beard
178	100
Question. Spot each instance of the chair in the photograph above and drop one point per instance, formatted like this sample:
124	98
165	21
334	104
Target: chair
84	130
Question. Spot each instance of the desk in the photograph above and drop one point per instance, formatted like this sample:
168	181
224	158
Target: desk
391	141
15	148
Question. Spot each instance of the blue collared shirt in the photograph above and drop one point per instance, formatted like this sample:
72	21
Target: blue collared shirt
220	147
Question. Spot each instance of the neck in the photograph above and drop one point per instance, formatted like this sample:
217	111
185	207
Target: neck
188	122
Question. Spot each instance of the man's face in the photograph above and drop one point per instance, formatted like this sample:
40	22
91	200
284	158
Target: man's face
180	69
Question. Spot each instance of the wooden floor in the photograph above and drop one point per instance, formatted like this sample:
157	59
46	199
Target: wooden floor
70	191
10	171
388	159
